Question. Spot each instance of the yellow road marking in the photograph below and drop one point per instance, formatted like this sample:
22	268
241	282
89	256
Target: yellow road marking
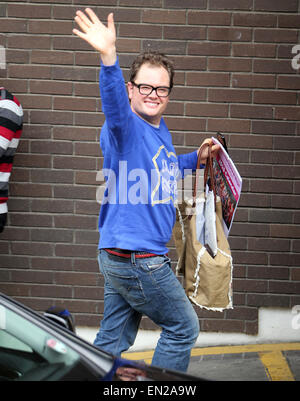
276	366
239	349
138	355
234	349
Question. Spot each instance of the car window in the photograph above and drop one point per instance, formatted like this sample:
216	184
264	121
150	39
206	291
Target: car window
29	352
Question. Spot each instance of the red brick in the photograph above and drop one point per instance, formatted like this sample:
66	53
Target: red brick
209	48
53	57
187	33
29	190
188	4
75	251
287	113
188	63
28	11
51	87
13	25
229	64
74	163
143	31
251	19
274	127
143	3
164	16
276	35
251	141
76	133
51	27
275	97
69	73
51	117
129	45
208	79
228	125
74	103
188	94
29	71
276	5
32	248
251	111
208	18
231	4
284	231
229	34
52	176
229	95
288	21
86	149
271	186
253	81
254	50
70	192
167	46
272	66
206	110
36	102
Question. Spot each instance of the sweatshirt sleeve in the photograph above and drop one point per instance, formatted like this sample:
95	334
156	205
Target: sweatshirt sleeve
188	161
11	123
115	104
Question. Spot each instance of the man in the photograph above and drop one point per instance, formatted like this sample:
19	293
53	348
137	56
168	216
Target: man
138	213
11	122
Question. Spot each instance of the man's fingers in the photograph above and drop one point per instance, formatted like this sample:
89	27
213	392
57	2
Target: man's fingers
92	16
83	18
79	33
110	22
81	23
215	149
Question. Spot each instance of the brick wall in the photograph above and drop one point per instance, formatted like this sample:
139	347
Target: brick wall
234	74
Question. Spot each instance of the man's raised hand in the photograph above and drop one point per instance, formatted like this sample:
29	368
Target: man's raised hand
100	37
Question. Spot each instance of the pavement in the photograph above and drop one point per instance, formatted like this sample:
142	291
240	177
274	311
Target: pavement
252	362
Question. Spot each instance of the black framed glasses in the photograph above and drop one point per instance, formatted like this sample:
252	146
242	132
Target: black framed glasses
146	90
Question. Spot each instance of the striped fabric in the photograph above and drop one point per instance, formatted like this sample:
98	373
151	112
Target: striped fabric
11	122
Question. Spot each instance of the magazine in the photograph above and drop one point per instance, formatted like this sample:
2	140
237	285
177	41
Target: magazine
228	185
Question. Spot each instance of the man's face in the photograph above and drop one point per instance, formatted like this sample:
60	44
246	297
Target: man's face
149	107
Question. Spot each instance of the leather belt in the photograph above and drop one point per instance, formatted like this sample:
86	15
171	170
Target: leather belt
125	253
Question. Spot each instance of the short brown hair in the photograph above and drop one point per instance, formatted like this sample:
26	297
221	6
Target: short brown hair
154	58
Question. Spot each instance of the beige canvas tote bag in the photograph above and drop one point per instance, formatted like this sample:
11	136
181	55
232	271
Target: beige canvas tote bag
208	278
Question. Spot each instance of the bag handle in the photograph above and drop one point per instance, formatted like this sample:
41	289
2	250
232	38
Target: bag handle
208	169
209	166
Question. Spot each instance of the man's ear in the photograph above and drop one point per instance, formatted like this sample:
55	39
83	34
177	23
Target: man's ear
130	89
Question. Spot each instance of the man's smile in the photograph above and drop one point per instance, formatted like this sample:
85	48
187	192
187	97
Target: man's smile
151	104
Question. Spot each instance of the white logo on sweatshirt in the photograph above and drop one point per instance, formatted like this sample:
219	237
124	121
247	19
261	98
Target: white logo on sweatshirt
166	167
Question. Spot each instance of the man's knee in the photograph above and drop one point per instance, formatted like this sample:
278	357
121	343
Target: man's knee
187	333
194	330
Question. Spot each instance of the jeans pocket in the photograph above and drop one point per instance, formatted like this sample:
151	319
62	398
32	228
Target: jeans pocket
157	262
129	287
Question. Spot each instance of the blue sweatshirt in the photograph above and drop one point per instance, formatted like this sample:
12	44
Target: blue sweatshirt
141	171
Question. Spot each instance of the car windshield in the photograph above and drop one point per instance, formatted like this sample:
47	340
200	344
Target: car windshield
28	352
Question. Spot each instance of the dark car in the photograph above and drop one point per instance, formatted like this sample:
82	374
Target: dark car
34	348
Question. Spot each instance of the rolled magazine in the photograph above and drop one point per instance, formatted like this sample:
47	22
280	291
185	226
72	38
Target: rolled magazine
228	185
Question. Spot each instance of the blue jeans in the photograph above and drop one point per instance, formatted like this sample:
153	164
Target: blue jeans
148	286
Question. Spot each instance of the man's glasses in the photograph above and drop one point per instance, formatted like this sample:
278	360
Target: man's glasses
146	90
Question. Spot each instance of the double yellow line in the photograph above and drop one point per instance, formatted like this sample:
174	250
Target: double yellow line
275	364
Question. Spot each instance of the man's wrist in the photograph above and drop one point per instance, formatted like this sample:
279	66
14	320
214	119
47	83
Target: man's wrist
109	58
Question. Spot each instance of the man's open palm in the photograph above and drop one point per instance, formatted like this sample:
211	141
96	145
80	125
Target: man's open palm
100	37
